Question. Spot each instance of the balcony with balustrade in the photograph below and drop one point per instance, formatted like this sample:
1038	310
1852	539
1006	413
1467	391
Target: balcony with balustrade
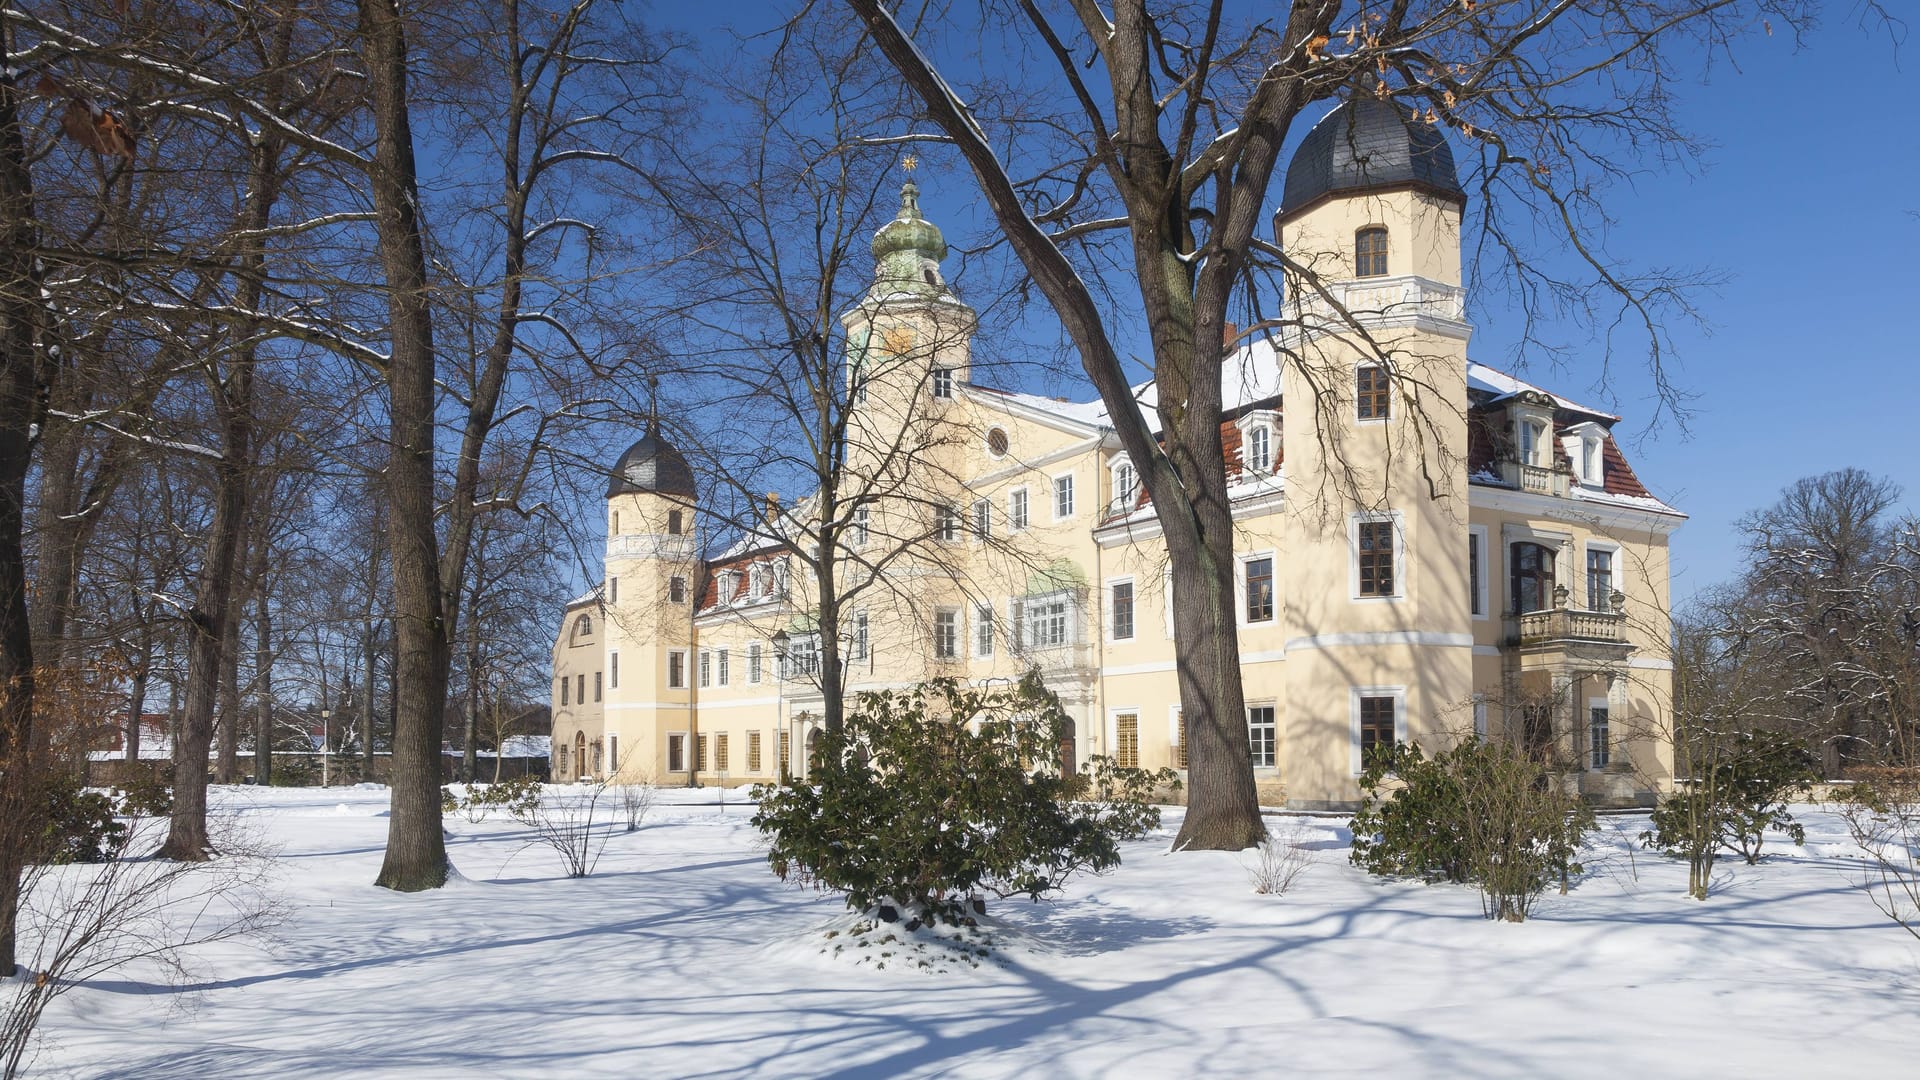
1561	635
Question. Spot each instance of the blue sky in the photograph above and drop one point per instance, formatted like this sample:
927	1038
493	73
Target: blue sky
1809	204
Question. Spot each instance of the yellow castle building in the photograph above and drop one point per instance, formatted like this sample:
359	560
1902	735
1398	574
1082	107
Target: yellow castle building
1428	548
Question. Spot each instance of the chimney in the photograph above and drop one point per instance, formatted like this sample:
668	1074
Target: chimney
1229	332
773	508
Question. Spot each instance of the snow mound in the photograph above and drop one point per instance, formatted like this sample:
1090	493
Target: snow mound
863	940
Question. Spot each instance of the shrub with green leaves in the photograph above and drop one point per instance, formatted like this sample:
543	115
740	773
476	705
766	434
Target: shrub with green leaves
518	796
1480	813
145	793
1742	797
76	825
932	795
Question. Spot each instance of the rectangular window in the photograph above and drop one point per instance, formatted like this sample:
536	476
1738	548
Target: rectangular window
1376	726
1480	716
753	663
1179	737
673	523
947	524
1126	740
1599	579
857	532
1046	625
983	630
1017	509
946	634
700	753
1375	392
1599	750
596	686
677	589
1122	610
723	665
1259	455
613	670
613	590
942	382
613	753
753	753
861	641
677	670
720	752
1259	589
677	752
566	691
582	694
1477	569
982	519
784	744
803	656
1262	733
1063	497
1376	558
706	668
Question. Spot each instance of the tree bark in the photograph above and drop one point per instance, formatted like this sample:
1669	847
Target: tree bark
23	382
416	856
228	762
263	672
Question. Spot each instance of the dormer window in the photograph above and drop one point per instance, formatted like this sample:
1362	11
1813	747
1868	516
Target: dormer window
1532	437
1370	252
1259	432
1126	484
1587	445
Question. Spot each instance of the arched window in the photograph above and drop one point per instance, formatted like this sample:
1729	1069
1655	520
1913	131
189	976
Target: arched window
1370	252
1126	486
1259	455
580	751
1532	577
582	627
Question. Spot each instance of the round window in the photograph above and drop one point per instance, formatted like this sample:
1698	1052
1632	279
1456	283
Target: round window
997	442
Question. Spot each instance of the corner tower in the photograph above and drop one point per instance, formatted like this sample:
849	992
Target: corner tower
909	338
1374	388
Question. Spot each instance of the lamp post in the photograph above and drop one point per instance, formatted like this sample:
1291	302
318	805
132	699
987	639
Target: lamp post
326	745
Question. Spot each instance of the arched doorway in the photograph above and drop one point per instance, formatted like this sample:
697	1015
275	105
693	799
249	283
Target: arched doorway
579	754
1532	577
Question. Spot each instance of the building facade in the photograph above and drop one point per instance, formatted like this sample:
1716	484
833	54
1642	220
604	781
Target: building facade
1428	548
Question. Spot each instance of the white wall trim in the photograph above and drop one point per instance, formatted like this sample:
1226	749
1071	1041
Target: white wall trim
1485	567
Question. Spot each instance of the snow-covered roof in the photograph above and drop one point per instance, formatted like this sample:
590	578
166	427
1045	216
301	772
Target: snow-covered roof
515	746
1501	385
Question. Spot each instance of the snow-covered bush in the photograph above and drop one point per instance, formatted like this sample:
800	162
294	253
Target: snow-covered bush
934	795
1480	813
516	796
76	825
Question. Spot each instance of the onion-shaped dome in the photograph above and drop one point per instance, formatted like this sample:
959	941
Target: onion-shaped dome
651	465
1369	144
907	250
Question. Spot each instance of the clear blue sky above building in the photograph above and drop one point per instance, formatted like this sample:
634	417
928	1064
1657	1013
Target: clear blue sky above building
1807	205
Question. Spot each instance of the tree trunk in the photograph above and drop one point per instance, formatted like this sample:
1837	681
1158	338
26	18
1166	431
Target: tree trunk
370	657
1227	818
137	693
227	769
416	855
469	758
263	675
23	380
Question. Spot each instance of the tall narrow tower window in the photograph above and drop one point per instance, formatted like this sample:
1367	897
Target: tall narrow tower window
674	524
1370	252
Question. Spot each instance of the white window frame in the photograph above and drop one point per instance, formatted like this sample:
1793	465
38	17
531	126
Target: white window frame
1174	712
859	526
1399	696
946	634
1400	559
753	664
1268	703
682	684
1586	444
943	380
1071	614
679	739
1483	598
1480	716
983	631
706	668
1258	420
1133	610
721	666
1119	468
862	635
1114	713
947	523
1020	520
1586	734
1616	565
1053	492
981	519
1240	590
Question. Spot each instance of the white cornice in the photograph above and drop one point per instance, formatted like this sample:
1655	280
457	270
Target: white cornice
1577	511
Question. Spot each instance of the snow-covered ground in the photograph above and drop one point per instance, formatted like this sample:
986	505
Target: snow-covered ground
682	956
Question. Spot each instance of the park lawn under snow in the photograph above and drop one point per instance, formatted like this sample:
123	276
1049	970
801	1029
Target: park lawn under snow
683	956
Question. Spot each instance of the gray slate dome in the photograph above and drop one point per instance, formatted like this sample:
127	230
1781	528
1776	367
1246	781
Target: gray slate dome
651	465
1369	143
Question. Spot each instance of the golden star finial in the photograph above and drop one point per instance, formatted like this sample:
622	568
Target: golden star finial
909	163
